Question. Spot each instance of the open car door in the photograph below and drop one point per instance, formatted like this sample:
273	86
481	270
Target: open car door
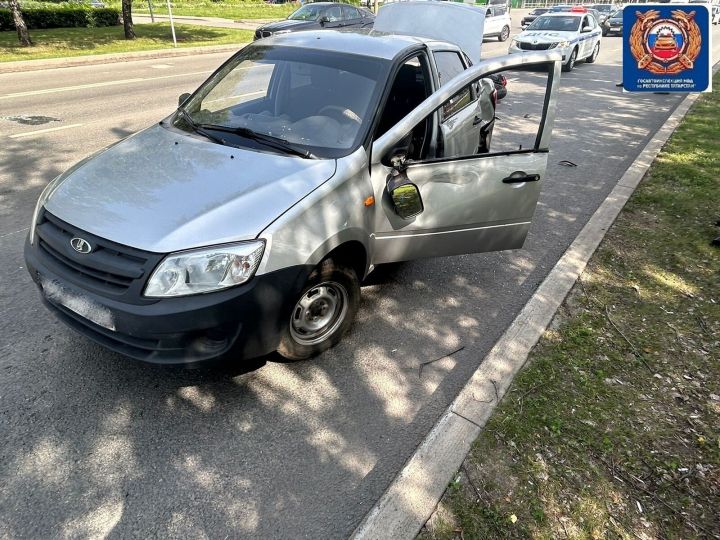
480	198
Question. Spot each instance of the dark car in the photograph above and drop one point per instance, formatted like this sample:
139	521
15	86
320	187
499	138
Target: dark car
317	16
613	25
534	14
605	11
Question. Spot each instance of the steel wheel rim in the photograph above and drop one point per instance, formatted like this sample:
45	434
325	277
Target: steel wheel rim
505	33
319	312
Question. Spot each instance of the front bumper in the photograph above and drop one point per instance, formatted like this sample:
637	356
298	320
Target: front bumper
565	51
244	321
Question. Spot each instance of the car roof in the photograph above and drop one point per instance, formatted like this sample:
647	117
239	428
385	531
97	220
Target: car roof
564	14
358	42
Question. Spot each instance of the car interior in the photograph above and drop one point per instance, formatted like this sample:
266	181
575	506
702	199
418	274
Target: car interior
410	88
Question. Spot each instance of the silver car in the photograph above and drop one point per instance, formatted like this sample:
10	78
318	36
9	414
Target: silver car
245	222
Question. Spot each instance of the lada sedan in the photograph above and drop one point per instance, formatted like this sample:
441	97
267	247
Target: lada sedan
244	222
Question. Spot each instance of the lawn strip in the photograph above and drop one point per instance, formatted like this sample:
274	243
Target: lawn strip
612	430
67	42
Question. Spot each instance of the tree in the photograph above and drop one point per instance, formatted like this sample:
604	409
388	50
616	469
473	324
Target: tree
127	19
23	34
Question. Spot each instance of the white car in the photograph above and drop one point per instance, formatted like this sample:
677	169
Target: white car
497	22
716	14
576	34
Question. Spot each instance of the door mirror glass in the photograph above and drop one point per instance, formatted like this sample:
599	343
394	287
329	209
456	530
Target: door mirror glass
183	98
324	19
586	29
405	196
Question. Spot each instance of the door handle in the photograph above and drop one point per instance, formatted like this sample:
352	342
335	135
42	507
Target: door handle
519	177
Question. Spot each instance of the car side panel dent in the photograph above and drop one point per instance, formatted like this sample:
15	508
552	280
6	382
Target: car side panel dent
333	214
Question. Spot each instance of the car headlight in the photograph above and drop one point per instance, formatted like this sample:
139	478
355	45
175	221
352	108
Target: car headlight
44	196
559	45
514	42
205	270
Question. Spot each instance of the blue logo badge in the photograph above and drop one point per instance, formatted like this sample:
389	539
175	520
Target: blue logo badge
666	48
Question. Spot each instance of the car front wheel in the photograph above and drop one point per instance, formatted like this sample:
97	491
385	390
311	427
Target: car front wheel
504	34
323	312
570	64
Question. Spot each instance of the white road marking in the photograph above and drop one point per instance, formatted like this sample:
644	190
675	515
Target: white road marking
99	85
41	131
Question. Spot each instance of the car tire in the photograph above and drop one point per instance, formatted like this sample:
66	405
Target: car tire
324	311
504	33
596	51
570	64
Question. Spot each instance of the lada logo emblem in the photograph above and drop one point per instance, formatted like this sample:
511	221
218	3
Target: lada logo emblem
81	245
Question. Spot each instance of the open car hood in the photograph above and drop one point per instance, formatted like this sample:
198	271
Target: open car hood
442	21
164	191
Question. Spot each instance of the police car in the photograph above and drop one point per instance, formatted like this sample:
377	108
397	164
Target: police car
575	33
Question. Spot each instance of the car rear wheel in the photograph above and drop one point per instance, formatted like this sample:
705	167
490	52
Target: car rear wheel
504	34
591	59
570	64
323	312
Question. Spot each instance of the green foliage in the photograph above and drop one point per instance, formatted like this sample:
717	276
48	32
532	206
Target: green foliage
62	16
66	42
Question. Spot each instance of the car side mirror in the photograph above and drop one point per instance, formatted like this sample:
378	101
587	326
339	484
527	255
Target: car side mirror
324	19
586	29
405	195
183	98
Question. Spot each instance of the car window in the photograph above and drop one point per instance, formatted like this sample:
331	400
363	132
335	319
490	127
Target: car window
559	23
449	65
321	100
308	12
350	12
590	21
333	14
516	126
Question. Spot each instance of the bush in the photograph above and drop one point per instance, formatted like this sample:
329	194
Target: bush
62	17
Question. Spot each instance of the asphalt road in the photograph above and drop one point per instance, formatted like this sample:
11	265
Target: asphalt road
94	444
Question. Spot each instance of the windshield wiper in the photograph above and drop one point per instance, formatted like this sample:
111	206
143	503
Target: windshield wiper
267	140
197	128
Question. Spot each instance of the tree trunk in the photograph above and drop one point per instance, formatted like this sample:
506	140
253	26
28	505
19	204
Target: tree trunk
127	19
22	31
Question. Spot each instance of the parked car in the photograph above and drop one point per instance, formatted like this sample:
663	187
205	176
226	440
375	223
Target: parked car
613	25
534	14
244	222
605	10
576	35
716	14
497	23
317	16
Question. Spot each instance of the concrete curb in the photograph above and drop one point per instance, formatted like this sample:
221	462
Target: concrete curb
88	60
414	493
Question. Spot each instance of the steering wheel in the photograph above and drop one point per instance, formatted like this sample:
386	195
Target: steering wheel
343	112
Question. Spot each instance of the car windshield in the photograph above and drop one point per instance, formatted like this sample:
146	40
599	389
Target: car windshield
308	12
569	23
604	8
320	101
617	14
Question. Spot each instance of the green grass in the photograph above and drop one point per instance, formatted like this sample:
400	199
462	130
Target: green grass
229	9
613	430
65	42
